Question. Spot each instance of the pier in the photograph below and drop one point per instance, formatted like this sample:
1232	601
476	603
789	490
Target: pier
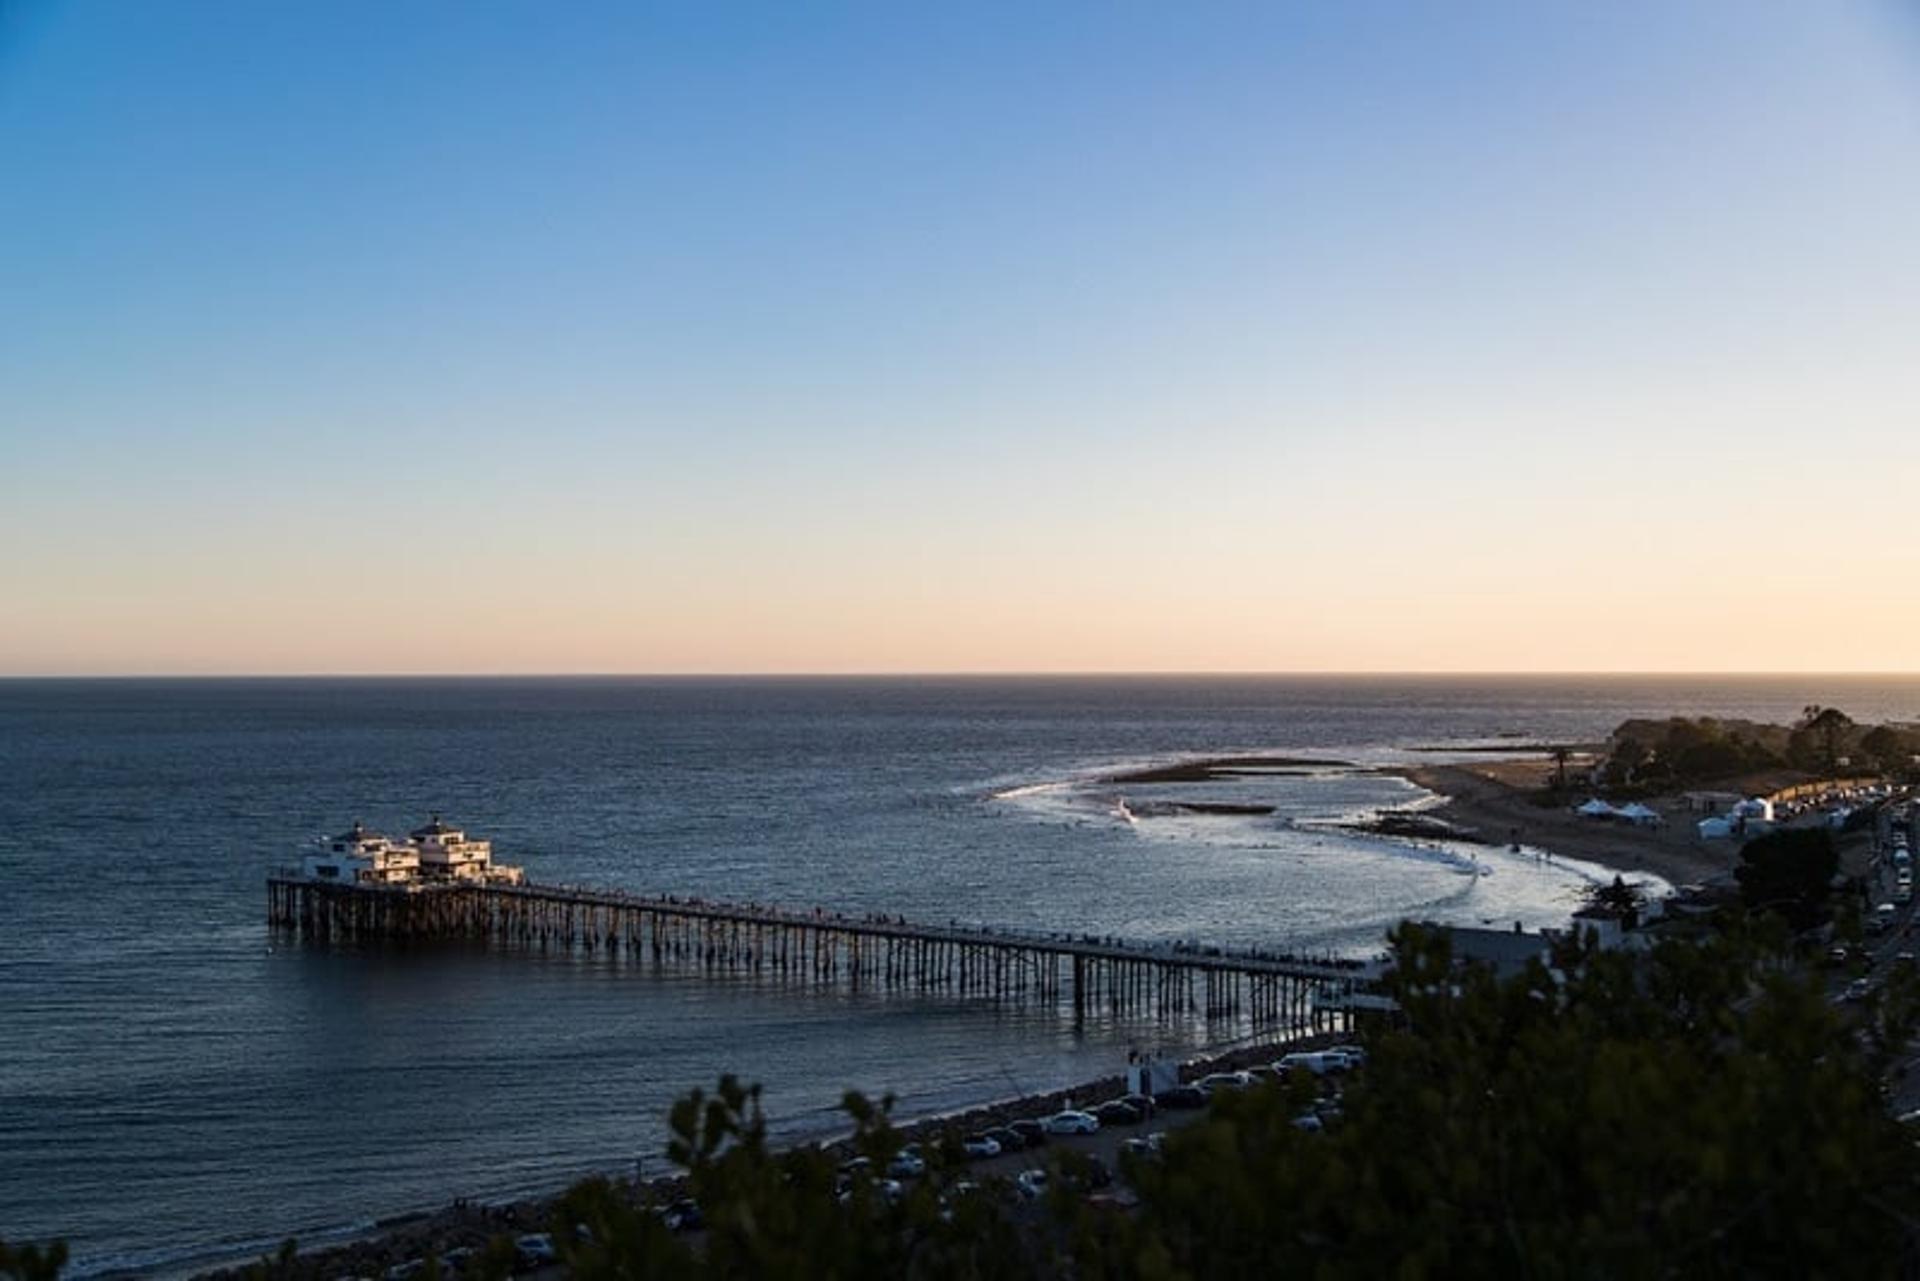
827	949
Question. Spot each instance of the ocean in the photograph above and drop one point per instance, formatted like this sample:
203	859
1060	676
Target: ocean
178	1086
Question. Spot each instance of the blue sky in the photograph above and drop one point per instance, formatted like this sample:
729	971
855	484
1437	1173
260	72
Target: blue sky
1105	337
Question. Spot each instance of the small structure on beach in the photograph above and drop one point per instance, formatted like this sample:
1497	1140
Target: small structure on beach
1640	815
1711	802
1507	952
1150	1074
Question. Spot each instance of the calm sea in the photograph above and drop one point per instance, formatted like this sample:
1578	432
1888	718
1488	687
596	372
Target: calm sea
176	1084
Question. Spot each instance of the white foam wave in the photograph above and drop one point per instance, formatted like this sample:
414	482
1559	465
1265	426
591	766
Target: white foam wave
1029	789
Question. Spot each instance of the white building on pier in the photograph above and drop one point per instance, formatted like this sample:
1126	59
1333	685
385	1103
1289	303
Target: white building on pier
434	854
363	857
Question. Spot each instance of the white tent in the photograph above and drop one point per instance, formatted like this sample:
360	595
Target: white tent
1714	829
1755	807
1596	808
1641	814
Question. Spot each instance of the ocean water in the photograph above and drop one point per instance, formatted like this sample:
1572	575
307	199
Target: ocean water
178	1085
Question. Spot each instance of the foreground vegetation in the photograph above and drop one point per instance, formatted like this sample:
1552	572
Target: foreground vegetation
1703	1109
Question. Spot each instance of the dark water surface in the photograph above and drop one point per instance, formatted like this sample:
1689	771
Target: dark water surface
174	1082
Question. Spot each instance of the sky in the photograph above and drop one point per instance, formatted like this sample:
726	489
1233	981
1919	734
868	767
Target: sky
613	337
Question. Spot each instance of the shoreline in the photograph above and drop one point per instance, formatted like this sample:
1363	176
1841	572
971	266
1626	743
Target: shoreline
1487	803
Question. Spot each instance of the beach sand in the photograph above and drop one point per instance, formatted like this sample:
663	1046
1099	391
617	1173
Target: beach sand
1494	801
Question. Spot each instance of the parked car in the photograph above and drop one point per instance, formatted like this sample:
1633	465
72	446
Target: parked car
683	1216
1086	1173
1118	1112
1226	1081
1140	1103
1309	1122
979	1147
1008	1139
1355	1055
1181	1096
1858	990
907	1163
1072	1122
1031	1132
1031	1184
1314	1061
535	1250
1147	1145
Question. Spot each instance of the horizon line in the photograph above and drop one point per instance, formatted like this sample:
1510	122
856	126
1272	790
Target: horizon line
977	674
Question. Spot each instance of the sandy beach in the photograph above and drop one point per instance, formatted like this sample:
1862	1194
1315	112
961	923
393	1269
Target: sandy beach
1494	802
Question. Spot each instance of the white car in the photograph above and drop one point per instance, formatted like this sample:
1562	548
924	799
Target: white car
979	1147
1032	1184
1072	1122
907	1163
1315	1062
1226	1081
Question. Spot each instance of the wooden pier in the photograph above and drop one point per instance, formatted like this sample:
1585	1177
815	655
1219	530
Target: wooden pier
831	949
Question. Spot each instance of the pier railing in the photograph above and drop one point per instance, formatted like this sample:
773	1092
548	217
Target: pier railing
872	950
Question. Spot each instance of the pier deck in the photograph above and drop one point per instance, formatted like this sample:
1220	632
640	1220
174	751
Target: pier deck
828	948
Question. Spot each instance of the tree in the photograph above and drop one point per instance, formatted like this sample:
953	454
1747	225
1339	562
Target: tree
1623	899
1789	872
1828	726
32	1262
1700	1111
794	1214
1890	750
1625	762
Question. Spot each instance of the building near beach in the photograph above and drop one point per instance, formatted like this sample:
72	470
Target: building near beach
434	854
448	854
361	856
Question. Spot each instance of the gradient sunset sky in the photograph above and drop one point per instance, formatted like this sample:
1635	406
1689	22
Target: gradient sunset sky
363	337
